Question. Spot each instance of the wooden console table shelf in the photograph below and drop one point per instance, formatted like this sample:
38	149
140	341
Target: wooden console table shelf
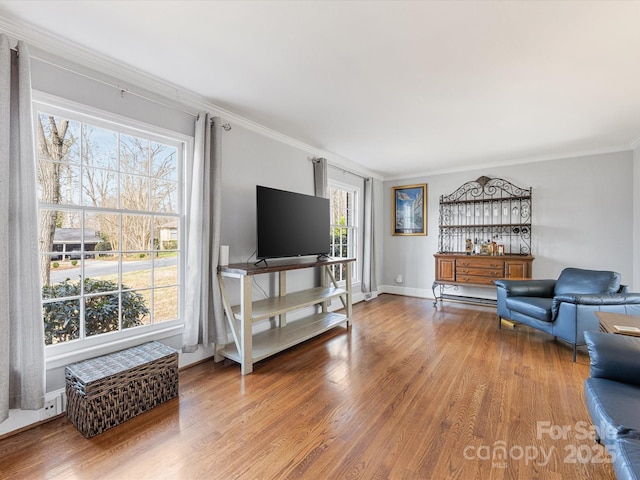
248	348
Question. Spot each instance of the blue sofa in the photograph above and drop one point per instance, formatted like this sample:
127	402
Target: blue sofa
565	307
612	394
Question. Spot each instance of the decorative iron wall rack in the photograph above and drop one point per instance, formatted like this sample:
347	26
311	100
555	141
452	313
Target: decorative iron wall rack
487	209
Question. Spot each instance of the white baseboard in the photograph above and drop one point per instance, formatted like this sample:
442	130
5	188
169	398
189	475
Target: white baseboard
409	292
55	404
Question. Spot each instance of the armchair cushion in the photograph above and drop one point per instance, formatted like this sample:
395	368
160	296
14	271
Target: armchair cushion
614	357
535	307
579	281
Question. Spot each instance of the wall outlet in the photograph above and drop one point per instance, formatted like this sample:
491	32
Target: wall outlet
52	406
399	278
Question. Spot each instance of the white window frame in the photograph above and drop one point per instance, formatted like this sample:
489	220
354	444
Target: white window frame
355	227
60	354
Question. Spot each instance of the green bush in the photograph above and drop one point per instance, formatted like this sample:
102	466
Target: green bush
62	318
104	246
55	264
74	262
170	245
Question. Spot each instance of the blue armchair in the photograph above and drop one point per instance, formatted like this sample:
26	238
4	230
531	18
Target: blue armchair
565	307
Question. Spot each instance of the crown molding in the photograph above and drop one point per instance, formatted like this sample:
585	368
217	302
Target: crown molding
512	162
63	53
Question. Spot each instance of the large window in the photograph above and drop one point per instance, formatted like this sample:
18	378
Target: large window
344	221
110	225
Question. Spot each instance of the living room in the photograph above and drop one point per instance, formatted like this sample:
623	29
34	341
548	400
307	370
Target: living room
584	192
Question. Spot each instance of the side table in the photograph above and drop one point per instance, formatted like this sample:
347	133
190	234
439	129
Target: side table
609	321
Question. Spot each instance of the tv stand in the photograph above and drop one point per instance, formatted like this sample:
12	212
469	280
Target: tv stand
248	348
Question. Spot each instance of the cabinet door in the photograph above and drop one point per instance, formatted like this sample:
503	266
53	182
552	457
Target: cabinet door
517	269
445	269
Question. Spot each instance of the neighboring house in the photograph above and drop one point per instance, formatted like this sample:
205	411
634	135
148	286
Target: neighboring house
68	241
169	235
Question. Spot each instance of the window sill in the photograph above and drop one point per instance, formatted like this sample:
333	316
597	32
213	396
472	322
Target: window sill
61	355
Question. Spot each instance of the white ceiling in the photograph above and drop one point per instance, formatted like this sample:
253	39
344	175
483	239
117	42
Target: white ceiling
400	87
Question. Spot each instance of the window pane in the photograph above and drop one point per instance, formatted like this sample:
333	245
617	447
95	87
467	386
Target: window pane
165	271
58	138
134	192
164	162
101	314
135	308
61	319
136	274
134	155
106	228
165	304
164	196
101	275
58	183
166	233
136	234
99	188
99	147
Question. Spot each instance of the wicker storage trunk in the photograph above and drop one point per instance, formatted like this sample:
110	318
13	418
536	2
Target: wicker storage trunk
105	391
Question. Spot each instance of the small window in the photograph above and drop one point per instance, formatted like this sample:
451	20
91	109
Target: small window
344	229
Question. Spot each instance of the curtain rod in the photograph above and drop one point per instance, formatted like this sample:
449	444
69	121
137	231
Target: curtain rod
113	85
344	170
226	126
13	42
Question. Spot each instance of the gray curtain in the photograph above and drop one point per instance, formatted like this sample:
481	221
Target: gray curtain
368	252
22	369
320	177
202	312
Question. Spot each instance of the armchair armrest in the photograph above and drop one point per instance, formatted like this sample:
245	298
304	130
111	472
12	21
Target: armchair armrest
593	299
615	357
598	298
527	288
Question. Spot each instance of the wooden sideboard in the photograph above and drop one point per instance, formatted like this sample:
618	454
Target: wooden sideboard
458	269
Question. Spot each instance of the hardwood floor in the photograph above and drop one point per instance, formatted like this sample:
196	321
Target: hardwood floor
408	393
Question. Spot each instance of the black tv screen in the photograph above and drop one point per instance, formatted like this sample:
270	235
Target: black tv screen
291	224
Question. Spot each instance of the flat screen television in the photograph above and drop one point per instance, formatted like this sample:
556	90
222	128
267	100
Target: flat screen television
291	224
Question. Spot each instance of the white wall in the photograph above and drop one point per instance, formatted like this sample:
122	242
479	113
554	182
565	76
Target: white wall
582	215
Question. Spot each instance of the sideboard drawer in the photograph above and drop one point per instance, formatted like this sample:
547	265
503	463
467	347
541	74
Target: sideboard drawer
479	262
474	279
487	272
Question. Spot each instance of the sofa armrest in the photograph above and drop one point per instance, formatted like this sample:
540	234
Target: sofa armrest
614	357
527	288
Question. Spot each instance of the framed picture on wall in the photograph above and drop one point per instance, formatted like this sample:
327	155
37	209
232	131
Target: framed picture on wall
409	210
